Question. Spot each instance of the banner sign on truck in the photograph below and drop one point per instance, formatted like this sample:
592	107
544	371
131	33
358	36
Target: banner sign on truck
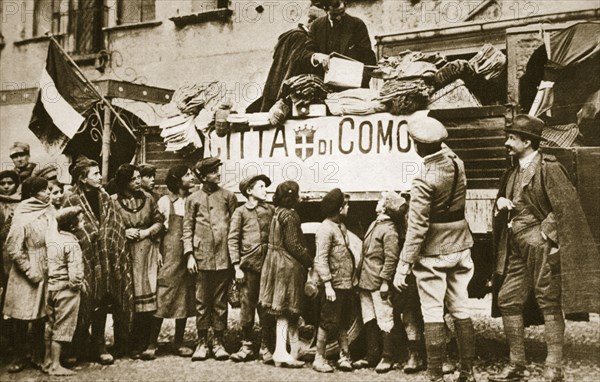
355	153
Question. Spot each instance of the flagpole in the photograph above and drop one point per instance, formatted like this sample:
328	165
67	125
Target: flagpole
84	78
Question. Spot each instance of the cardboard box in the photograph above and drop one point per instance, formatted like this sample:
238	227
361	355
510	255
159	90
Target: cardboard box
344	73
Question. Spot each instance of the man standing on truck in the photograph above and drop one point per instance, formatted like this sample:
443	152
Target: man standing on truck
339	32
543	246
438	247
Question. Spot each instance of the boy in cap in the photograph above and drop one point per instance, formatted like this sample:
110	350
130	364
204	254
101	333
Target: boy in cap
383	310
438	246
19	153
205	229
248	242
148	175
65	282
335	265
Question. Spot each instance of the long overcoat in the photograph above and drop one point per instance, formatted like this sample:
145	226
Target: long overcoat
556	204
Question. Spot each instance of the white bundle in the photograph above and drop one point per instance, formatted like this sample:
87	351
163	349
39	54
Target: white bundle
354	102
179	132
488	62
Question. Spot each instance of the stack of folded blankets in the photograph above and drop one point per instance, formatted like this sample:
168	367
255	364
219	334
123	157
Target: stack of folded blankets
409	64
179	130
355	102
305	89
404	97
409	79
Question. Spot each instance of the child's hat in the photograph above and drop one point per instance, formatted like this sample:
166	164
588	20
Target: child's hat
247	182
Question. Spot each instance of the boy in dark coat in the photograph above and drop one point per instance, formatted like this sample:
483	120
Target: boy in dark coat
248	242
205	228
335	265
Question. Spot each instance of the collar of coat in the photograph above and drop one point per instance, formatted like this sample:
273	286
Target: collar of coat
251	207
530	171
439	156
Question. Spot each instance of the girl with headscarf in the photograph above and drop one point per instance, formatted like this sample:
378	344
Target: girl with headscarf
176	287
34	220
284	273
143	223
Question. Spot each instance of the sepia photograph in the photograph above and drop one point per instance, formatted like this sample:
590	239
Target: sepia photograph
300	190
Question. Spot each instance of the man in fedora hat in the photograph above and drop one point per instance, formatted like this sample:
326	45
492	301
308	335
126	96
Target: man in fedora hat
248	241
19	153
543	247
438	247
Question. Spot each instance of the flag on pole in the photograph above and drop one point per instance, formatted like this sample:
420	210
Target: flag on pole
63	101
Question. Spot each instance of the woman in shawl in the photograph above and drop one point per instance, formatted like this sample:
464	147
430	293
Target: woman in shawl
284	273
33	220
143	224
106	264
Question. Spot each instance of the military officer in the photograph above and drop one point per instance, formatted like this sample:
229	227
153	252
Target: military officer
438	246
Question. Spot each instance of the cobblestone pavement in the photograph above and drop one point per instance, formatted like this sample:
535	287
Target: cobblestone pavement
582	360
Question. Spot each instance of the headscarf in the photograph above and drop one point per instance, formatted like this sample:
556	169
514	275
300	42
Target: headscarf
31	209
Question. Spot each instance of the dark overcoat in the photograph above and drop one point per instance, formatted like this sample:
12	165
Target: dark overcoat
351	40
291	58
556	204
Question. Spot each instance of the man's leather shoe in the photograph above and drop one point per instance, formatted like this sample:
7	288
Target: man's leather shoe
510	373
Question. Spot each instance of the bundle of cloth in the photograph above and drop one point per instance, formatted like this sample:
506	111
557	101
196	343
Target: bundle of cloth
453	71
489	62
301	90
404	97
305	89
409	64
408	80
355	102
179	130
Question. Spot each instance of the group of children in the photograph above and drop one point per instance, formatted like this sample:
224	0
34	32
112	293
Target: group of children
47	277
207	242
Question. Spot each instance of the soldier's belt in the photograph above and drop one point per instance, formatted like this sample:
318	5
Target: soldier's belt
448	217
